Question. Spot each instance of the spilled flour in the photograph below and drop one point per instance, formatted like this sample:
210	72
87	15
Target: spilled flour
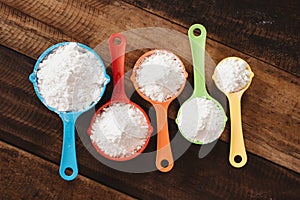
232	74
201	120
71	78
120	130
160	75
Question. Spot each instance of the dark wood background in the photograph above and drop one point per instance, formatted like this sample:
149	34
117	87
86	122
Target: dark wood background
264	33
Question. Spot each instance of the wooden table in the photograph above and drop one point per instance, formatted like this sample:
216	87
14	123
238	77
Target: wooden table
264	33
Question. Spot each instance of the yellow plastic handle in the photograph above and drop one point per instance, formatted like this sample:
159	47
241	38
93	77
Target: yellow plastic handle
237	155
164	157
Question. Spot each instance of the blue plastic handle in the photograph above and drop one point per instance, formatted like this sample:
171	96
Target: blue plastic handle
68	154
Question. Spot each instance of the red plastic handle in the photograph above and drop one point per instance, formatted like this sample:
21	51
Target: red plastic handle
117	47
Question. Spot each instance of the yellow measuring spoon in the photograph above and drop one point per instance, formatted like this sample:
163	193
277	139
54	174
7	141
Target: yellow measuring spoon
237	155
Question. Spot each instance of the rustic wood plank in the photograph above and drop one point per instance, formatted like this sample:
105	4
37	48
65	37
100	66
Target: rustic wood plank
41	18
252	36
26	123
265	119
25	34
267	30
26	176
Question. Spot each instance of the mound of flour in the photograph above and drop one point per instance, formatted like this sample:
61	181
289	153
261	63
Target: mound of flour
232	74
201	120
160	75
71	78
120	130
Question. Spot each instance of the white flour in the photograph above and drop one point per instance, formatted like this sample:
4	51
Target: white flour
232	74
201	120
71	78
120	130
160	76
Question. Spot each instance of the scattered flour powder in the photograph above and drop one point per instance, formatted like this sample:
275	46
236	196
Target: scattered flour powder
160	75
232	74
120	130
201	120
70	78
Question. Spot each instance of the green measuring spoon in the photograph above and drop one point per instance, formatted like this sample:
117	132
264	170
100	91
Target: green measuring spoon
197	43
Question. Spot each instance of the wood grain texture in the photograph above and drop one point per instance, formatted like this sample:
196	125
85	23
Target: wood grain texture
270	107
25	34
114	19
266	30
26	176
26	123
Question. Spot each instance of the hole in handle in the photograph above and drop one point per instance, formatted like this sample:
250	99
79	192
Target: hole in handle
197	32
164	163
237	158
68	171
117	41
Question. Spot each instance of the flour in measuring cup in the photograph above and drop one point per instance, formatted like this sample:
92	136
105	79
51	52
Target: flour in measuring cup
70	78
232	74
120	130
160	75
201	120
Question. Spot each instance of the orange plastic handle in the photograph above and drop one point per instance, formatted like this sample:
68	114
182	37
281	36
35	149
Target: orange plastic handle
164	157
237	145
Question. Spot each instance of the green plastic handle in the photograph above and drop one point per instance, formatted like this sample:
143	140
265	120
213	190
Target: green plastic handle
197	44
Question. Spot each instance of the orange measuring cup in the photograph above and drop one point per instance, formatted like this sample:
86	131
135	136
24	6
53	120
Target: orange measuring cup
117	46
164	157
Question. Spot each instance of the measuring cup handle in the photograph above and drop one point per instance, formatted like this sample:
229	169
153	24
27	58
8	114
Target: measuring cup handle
164	157
68	156
117	47
197	43
237	155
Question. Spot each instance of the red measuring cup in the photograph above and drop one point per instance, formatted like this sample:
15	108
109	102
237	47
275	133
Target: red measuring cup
117	46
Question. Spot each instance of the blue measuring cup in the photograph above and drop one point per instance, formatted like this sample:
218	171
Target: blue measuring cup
68	156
